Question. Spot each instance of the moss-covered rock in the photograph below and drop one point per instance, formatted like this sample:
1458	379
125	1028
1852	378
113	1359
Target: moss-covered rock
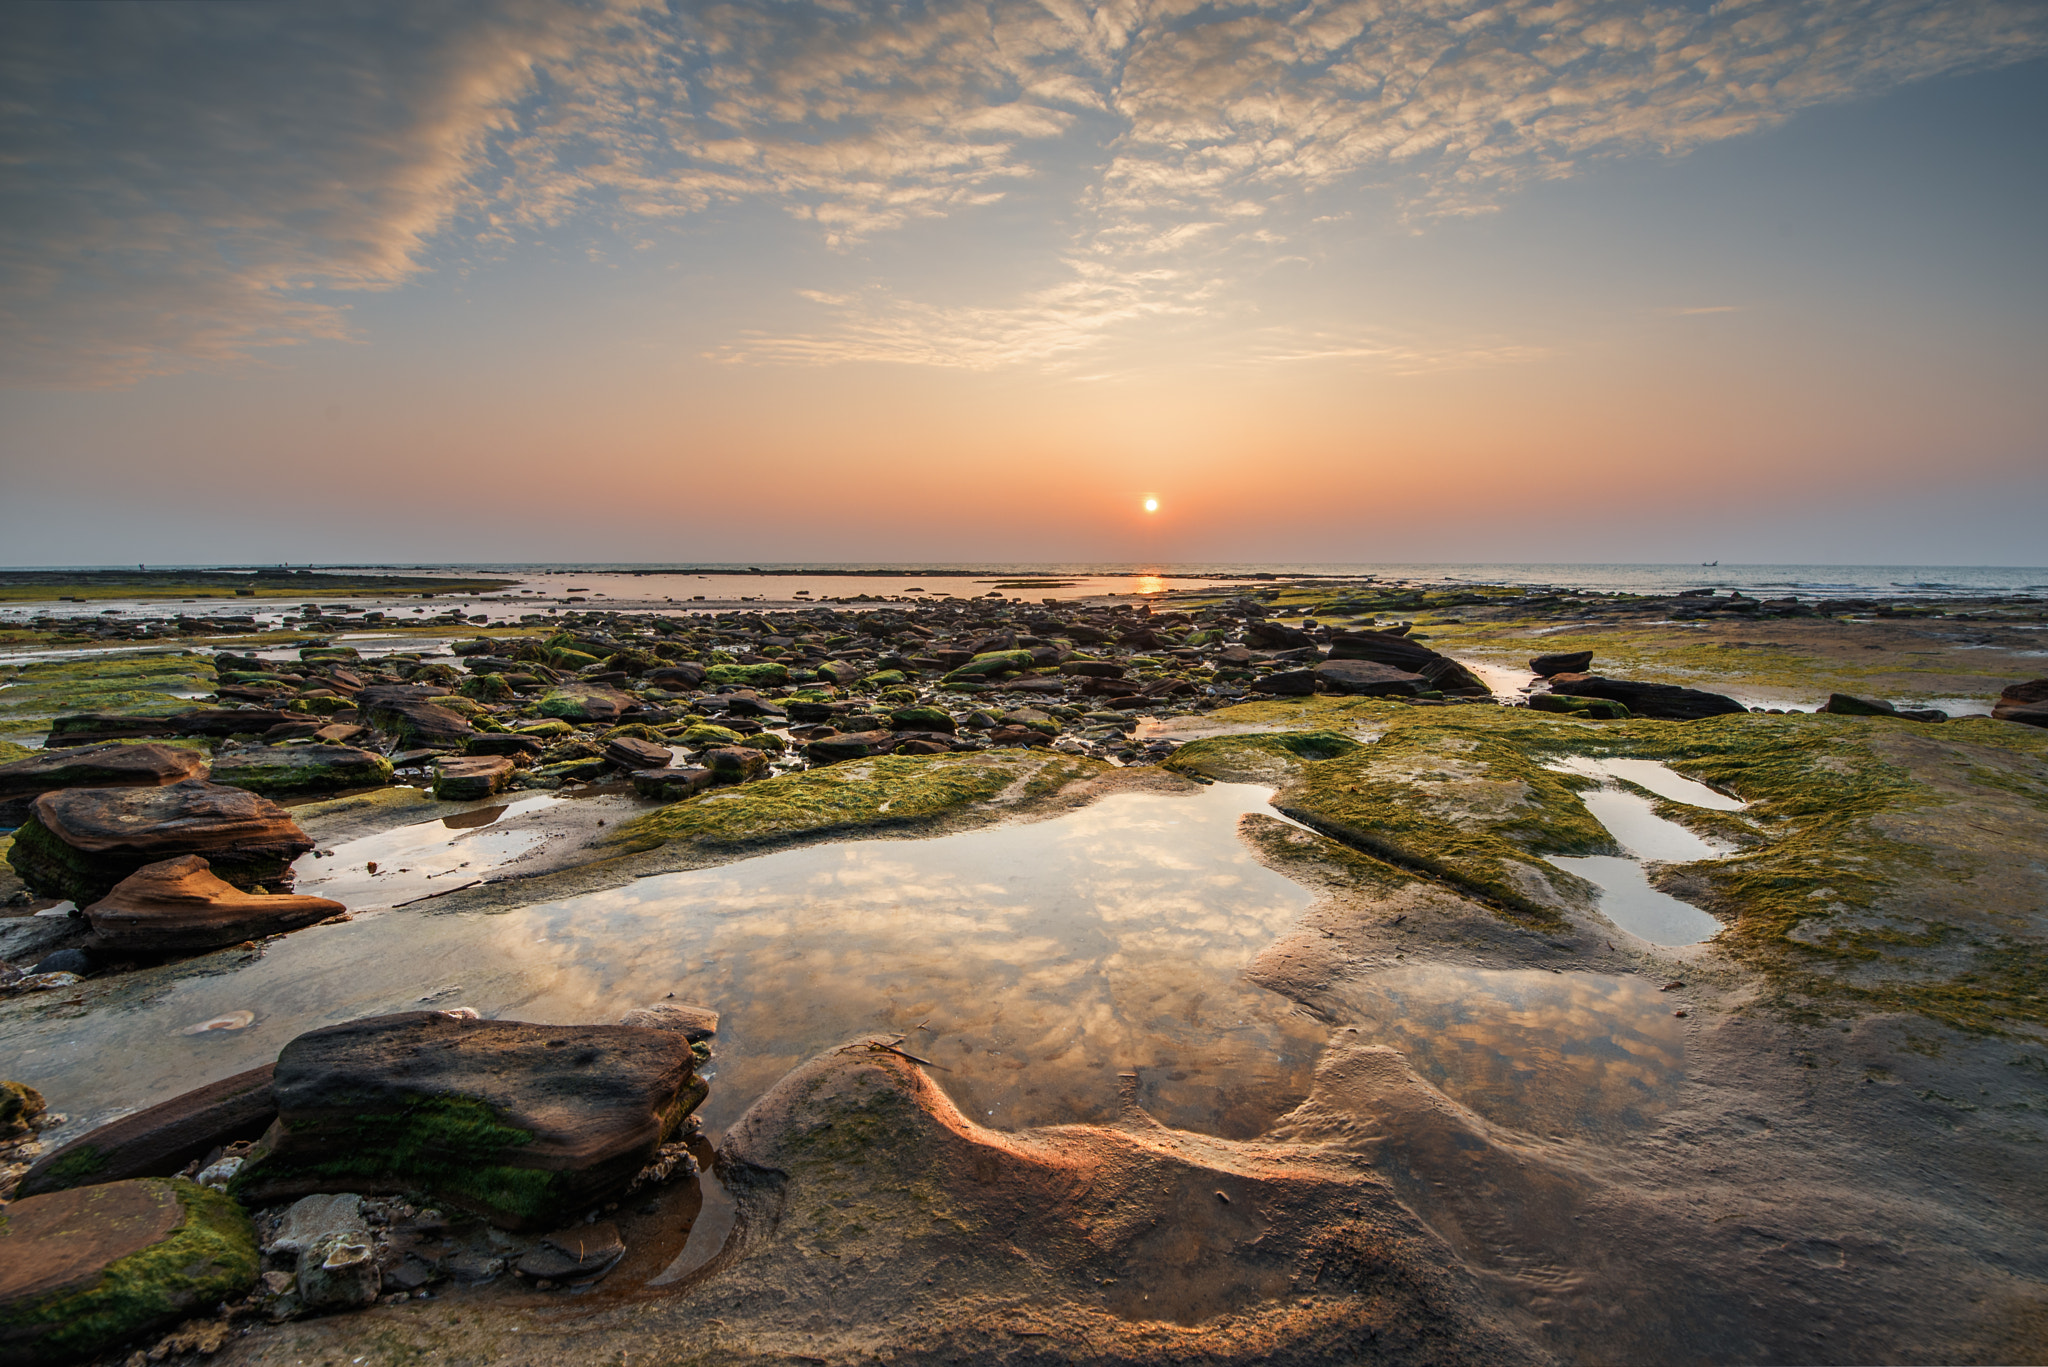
85	1269
300	768
991	663
748	676
705	734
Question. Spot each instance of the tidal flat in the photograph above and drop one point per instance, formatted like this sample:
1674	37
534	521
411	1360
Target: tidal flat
1286	971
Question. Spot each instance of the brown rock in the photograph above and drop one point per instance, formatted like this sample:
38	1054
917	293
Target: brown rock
693	1023
233	721
1387	648
178	904
388	1104
464	778
1571	662
403	712
2026	703
90	728
64	1241
630	753
81	842
1667	702
1368	678
94	766
162	1140
672	784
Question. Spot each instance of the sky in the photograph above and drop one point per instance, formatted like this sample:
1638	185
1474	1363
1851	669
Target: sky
1758	281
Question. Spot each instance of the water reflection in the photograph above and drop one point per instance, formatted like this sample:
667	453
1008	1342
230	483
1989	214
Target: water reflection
1032	962
1553	1054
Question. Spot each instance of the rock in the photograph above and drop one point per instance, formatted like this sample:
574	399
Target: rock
1274	636
734	764
681	677
313	1220
767	675
1369	679
1603	709
991	663
178	904
27	939
1384	647
162	1140
465	778
342	733
585	702
752	705
1844	705
2025	703
672	784
517	748
1667	702
578	1254
526	1125
90	728
849	745
403	712
1570	662
922	719
233	721
1018	735
20	1103
1092	669
80	843
628	753
308	768
75	961
1294	683
83	1269
93	766
339	1272
694	1023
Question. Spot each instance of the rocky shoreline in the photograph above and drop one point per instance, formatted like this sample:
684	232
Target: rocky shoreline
448	1178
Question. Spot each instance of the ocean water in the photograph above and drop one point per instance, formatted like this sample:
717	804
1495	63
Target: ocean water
776	581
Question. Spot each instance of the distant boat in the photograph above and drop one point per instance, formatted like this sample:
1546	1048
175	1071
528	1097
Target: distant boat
1708	564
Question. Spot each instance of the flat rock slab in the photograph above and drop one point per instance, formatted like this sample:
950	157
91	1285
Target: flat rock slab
161	1140
580	1253
307	768
694	1023
527	1125
466	777
180	904
233	721
631	753
670	785
1385	648
1369	678
585	702
81	842
83	1269
404	712
90	728
94	766
1666	702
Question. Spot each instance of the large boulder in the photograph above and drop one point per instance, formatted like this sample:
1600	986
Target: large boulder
233	721
307	768
94	766
179	904
1667	702
403	712
680	677
81	842
1293	683
2026	703
1384	647
525	1125
82	1270
1848	705
672	784
162	1140
1369	679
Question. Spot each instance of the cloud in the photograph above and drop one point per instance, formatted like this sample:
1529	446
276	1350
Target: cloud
185	184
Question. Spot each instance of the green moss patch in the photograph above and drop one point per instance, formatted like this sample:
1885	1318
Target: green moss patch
889	792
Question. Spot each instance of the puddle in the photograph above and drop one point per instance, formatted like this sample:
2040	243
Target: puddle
414	861
1032	963
1655	777
1626	896
1559	1055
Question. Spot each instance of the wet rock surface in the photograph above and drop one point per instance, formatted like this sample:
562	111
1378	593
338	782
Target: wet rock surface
84	1269
161	1140
92	766
180	905
524	1124
80	843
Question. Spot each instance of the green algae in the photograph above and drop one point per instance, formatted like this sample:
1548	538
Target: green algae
748	676
1865	849
301	768
891	792
211	1256
119	683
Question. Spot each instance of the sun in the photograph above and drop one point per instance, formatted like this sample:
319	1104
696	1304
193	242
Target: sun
1151	505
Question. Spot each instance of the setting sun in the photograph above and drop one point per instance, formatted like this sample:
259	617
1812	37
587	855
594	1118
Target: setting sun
1151	505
